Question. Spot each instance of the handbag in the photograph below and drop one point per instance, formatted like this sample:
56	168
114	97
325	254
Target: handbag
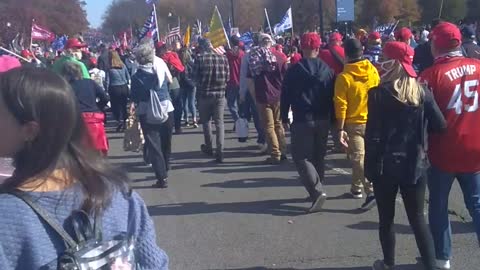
156	112
133	139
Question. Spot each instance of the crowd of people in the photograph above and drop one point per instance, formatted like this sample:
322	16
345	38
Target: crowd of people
403	109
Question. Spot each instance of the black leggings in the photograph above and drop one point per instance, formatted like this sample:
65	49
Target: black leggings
414	200
119	98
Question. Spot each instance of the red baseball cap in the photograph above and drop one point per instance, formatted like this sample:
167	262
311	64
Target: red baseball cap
8	62
403	34
403	53
446	36
374	36
311	41
159	44
74	43
93	61
26	53
335	37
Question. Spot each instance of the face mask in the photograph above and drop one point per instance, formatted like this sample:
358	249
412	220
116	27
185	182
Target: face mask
77	55
388	65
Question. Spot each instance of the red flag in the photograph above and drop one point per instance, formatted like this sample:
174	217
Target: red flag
39	33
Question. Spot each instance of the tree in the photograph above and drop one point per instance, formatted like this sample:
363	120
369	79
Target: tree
473	9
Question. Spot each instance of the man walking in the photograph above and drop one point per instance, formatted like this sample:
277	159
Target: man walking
266	71
308	89
211	72
234	56
351	97
454	154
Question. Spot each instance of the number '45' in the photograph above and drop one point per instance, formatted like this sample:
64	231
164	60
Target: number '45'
456	100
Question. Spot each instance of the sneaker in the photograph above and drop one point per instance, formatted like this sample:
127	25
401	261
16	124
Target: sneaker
443	264
272	161
161	184
318	203
283	157
195	125
357	194
380	265
206	150
369	203
219	158
187	124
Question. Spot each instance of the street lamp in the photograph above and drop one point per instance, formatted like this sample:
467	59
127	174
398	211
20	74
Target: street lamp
232	6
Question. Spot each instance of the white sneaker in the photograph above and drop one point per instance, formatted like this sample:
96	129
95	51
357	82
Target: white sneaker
443	264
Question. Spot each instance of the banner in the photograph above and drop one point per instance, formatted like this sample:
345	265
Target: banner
217	34
40	33
345	10
386	30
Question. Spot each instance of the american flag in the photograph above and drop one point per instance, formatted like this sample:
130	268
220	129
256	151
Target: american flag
173	35
149	27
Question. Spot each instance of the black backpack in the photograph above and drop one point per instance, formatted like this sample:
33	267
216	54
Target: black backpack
400	144
89	251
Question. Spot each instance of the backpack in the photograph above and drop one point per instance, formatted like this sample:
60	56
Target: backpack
89	251
96	77
400	143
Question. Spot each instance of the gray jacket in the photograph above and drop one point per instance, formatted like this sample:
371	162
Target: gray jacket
118	76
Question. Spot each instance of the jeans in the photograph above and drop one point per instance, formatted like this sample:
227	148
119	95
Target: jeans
439	185
158	145
356	150
188	99
309	146
232	95
275	134
212	108
176	95
248	110
414	201
119	98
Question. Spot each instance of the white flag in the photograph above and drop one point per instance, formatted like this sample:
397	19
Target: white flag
285	24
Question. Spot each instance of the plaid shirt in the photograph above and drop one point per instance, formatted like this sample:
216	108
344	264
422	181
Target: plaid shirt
262	60
212	73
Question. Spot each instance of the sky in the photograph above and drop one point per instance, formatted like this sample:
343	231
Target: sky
95	10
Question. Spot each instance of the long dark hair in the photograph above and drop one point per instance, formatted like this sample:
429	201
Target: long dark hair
41	96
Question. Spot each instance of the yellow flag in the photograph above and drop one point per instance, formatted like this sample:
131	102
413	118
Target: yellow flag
186	38
217	34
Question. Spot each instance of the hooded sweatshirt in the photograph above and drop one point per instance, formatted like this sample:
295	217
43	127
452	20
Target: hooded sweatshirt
234	57
308	89
351	91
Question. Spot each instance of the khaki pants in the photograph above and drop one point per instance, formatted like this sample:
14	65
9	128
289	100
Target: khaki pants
356	151
275	134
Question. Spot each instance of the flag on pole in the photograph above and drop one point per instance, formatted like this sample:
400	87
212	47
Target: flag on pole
149	27
40	33
173	35
285	24
187	37
217	35
149	1
59	43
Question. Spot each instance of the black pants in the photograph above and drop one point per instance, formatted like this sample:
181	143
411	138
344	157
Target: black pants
158	145
118	99
177	101
414	201
309	146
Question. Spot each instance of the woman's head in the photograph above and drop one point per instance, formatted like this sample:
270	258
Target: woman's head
400	55
145	53
72	71
44	132
116	61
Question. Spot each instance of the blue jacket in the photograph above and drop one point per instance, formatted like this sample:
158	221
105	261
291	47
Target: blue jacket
142	82
118	76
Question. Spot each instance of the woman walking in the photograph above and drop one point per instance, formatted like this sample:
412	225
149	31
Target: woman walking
147	82
87	92
54	170
400	113
119	79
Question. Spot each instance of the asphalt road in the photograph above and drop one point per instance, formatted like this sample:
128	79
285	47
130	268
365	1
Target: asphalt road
245	215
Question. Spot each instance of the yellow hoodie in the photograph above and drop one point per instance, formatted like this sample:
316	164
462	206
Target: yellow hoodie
351	91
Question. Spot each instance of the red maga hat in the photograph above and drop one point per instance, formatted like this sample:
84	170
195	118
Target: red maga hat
446	36
311	41
74	43
403	53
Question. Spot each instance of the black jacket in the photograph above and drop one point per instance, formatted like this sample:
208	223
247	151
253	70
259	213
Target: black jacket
385	112
308	88
471	50
423	58
87	92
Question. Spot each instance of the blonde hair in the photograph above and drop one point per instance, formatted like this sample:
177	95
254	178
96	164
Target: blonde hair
408	89
116	61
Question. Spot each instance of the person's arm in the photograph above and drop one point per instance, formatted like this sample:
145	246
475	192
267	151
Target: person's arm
341	104
373	136
435	117
127	74
101	95
285	98
85	73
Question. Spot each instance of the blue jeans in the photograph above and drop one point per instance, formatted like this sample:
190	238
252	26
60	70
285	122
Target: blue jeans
232	97
189	104
440	184
248	110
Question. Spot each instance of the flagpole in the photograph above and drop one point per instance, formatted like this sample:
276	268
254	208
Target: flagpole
31	35
156	21
16	55
293	33
268	21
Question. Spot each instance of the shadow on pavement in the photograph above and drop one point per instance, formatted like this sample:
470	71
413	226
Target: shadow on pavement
269	207
398	267
256	183
457	227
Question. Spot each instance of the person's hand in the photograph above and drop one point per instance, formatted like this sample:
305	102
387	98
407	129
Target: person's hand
343	138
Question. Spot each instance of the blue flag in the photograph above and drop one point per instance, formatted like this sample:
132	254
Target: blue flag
59	43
